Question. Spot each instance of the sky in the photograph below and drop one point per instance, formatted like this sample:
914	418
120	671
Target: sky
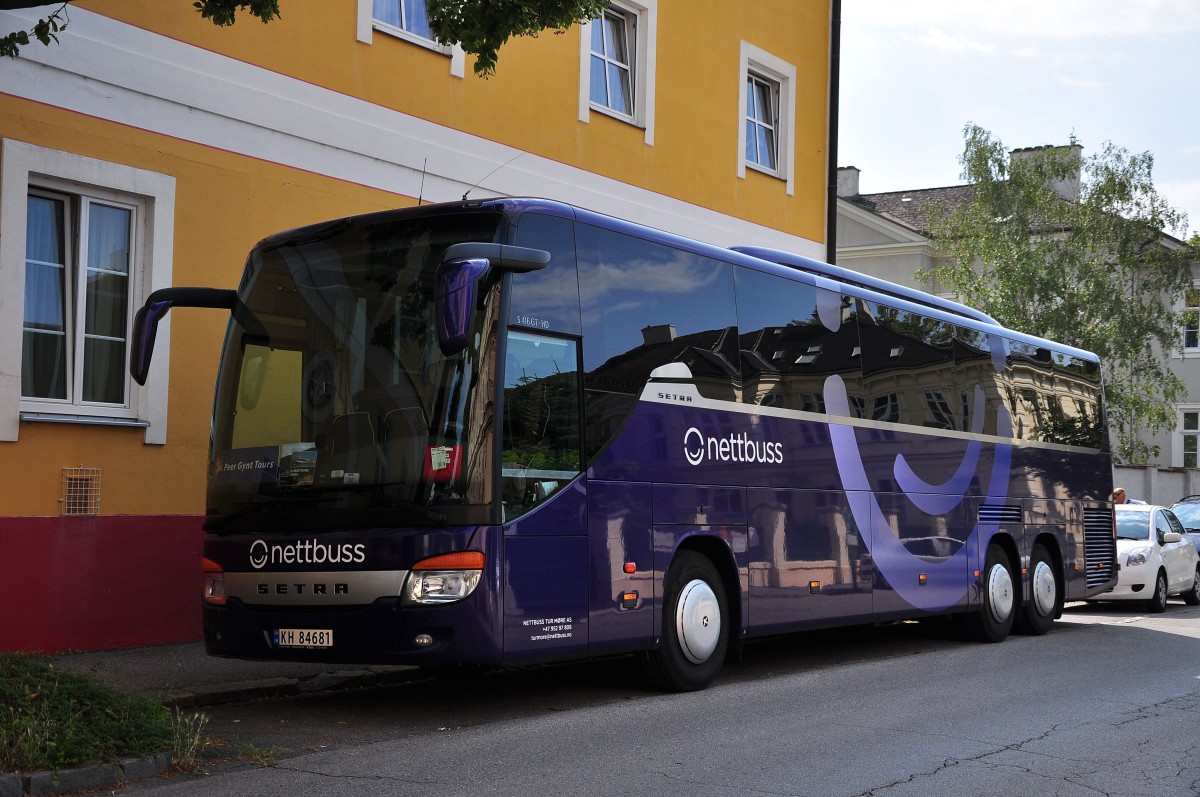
914	73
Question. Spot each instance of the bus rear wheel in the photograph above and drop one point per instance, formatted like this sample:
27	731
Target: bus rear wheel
695	634
994	620
1038	613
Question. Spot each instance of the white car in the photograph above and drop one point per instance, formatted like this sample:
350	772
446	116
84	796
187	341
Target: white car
1157	559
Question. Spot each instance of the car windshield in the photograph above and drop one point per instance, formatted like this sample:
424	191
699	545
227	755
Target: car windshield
1133	525
1188	514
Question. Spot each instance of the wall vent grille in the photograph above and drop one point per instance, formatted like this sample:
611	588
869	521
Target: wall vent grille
81	491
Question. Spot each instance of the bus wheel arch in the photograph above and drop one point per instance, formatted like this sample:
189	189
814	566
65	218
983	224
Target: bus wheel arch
698	622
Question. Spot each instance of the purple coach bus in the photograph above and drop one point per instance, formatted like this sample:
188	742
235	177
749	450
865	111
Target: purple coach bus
511	431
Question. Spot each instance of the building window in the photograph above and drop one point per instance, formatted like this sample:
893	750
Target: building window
1191	320
613	36
405	15
83	242
762	113
1189	434
766	107
408	20
78	298
617	64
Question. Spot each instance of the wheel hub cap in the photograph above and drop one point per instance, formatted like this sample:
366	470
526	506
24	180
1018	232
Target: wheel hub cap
1044	590
1000	593
698	621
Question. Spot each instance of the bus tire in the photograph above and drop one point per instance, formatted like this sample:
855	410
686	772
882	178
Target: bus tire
997	611
1038	613
695	628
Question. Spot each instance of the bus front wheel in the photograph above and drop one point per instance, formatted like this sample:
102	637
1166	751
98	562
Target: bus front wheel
994	620
695	631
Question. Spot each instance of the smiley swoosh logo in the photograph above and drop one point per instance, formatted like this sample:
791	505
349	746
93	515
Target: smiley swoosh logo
950	578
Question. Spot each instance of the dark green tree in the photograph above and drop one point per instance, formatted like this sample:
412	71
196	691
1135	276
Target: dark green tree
482	26
1073	249
479	26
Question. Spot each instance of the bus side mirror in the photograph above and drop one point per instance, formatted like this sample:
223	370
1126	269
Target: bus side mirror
454	292
456	285
145	328
145	321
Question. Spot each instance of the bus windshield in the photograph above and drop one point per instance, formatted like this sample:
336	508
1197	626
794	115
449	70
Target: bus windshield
335	406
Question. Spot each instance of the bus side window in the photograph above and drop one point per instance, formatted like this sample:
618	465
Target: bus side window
790	346
541	444
645	305
900	341
547	299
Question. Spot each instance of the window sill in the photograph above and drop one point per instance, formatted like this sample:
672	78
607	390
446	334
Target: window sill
615	114
92	420
409	36
764	170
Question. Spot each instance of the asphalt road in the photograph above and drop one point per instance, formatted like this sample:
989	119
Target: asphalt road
1106	704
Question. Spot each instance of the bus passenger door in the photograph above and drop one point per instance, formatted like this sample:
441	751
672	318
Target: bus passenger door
545	570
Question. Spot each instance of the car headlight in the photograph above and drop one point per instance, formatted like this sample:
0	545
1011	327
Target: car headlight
1138	556
443	579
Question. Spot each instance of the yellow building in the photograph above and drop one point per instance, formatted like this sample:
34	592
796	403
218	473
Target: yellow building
149	148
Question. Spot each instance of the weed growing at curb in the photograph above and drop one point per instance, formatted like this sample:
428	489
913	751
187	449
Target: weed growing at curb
52	719
188	740
263	756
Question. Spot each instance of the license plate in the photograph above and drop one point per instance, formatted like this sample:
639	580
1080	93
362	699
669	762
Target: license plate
303	637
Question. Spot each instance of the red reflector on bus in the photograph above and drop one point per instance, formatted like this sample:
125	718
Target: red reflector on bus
463	560
209	566
630	568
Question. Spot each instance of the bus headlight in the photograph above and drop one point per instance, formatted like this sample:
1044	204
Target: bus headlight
443	579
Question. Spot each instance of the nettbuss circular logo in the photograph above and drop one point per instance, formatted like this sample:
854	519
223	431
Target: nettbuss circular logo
699	447
258	554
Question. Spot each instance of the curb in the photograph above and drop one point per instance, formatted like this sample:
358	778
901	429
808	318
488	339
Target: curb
102	776
246	691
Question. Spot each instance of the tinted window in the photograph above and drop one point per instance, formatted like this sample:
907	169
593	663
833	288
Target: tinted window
909	368
1054	397
794	336
644	305
547	299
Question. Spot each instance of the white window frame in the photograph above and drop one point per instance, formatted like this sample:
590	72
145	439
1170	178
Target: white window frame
644	15
760	63
1184	349
1177	452
77	203
23	167
367	24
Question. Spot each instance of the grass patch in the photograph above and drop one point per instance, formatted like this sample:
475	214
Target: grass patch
52	719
